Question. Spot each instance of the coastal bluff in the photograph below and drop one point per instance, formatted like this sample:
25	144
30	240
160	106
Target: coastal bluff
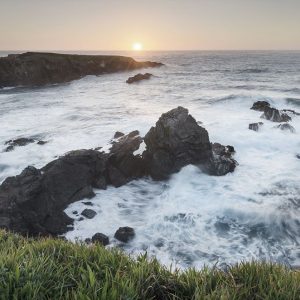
37	68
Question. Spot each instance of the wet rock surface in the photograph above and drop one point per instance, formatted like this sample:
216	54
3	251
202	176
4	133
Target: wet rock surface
125	234
100	238
286	127
123	165
139	77
256	126
88	213
271	113
21	142
275	115
33	202
260	105
118	134
36	68
175	141
221	161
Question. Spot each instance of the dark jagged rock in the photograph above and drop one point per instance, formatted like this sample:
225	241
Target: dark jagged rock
260	105
125	234
75	212
221	161
291	112
176	141
33	202
271	113
123	164
118	134
138	77
88	203
275	115
36	69
256	126
100	238
88	213
230	149
298	156
20	142
286	127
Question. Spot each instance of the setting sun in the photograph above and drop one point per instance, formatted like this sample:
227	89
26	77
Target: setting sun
137	46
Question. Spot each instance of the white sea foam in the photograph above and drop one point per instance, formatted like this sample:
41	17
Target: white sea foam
192	219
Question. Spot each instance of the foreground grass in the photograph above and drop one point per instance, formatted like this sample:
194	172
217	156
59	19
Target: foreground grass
55	269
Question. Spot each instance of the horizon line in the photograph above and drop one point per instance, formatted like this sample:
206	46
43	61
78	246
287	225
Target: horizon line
141	51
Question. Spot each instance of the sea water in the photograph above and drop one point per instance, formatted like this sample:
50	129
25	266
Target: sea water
192	219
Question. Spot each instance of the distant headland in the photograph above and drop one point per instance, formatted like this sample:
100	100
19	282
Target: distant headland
37	68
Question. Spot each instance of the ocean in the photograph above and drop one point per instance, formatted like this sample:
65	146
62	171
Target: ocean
193	219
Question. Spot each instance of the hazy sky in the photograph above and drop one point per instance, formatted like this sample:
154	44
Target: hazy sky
157	24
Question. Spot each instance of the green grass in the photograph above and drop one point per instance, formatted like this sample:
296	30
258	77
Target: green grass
56	269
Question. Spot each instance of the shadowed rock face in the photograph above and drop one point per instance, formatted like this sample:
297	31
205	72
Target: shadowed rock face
271	113
256	126
36	69
260	105
275	115
176	141
286	127
34	201
138	77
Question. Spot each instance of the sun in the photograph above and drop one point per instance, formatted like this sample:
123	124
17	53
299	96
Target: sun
137	46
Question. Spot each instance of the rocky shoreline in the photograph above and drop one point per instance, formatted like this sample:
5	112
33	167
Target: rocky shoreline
37	69
33	202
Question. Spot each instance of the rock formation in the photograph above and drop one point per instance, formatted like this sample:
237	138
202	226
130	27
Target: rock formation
260	105
286	127
100	238
34	201
21	142
125	234
138	78
36	69
271	113
256	126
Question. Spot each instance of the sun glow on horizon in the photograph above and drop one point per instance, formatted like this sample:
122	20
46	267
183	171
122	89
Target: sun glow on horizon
137	46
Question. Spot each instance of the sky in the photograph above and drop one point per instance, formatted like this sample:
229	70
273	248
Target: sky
156	24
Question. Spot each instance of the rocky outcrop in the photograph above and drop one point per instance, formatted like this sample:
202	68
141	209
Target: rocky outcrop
20	142
260	105
139	77
36	69
125	234
221	161
256	126
175	141
275	115
291	111
88	213
34	201
123	165
286	127
271	113
100	238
